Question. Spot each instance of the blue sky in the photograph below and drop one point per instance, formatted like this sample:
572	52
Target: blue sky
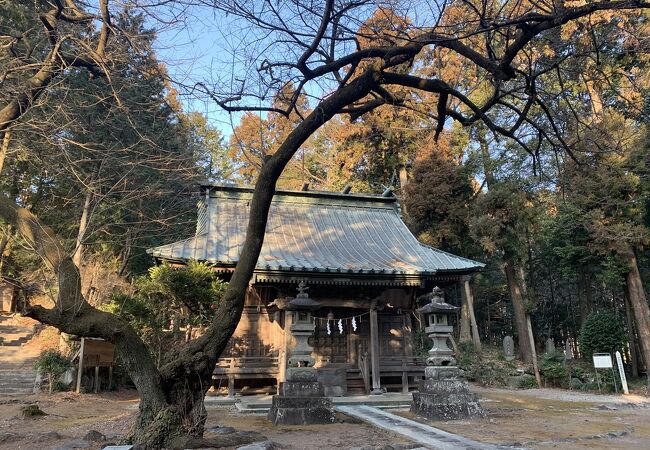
199	50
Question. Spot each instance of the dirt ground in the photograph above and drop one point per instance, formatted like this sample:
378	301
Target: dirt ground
554	418
72	416
534	419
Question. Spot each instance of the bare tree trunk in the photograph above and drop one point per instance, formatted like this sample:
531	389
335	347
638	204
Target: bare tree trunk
4	241
4	148
171	406
586	296
529	329
471	325
521	316
636	295
465	326
631	337
125	254
83	227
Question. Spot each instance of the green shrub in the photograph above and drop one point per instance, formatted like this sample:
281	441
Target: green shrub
467	355
51	364
578	372
421	343
553	368
490	373
527	382
576	384
602	333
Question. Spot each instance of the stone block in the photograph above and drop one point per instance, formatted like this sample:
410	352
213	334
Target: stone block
301	389
301	410
445	407
444	387
334	380
442	372
301	374
441	360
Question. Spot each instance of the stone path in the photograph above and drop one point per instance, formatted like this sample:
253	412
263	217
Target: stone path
17	374
428	436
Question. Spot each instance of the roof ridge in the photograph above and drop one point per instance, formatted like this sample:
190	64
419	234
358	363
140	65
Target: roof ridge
231	188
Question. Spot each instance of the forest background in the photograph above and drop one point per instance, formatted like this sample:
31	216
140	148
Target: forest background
115	179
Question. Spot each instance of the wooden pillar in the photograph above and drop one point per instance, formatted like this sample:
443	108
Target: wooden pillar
110	377
374	352
408	349
469	295
407	334
81	365
231	385
96	379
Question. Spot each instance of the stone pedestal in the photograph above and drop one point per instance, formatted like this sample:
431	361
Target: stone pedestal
301	400
444	395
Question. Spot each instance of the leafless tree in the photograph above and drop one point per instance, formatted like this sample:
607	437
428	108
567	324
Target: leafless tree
327	50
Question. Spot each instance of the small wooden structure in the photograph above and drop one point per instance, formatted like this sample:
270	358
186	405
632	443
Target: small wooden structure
95	353
8	295
361	263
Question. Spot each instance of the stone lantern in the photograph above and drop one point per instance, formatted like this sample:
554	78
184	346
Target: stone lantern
444	393
301	329
300	399
437	313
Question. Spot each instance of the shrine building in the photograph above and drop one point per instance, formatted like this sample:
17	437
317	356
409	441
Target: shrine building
357	258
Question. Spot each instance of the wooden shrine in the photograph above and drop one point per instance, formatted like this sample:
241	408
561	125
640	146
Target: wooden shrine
360	262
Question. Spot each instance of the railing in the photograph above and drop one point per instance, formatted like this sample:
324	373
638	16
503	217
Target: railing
249	365
364	368
404	366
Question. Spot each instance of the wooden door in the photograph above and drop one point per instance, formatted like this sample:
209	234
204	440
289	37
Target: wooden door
391	335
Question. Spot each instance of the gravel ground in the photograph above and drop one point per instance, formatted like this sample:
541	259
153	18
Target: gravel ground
536	418
571	396
71	416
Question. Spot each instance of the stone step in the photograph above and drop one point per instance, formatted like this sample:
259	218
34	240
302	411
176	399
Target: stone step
16	390
16	371
17	381
16	342
263	406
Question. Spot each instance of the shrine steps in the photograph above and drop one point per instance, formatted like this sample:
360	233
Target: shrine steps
355	384
262	404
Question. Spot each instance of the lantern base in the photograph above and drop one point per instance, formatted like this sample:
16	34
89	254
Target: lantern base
444	395
301	410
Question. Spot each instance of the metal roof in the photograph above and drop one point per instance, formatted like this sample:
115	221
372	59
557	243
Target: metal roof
309	231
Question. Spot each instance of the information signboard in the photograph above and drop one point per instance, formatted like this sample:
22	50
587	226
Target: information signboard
603	361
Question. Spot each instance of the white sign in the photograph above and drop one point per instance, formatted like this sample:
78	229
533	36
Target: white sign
603	361
621	371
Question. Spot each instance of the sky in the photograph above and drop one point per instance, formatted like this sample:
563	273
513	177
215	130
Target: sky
202	44
199	50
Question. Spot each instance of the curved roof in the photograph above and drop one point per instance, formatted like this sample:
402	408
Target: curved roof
313	231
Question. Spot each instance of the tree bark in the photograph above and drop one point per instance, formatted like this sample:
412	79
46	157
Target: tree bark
631	337
468	318
4	147
521	316
636	295
4	242
83	227
465	334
